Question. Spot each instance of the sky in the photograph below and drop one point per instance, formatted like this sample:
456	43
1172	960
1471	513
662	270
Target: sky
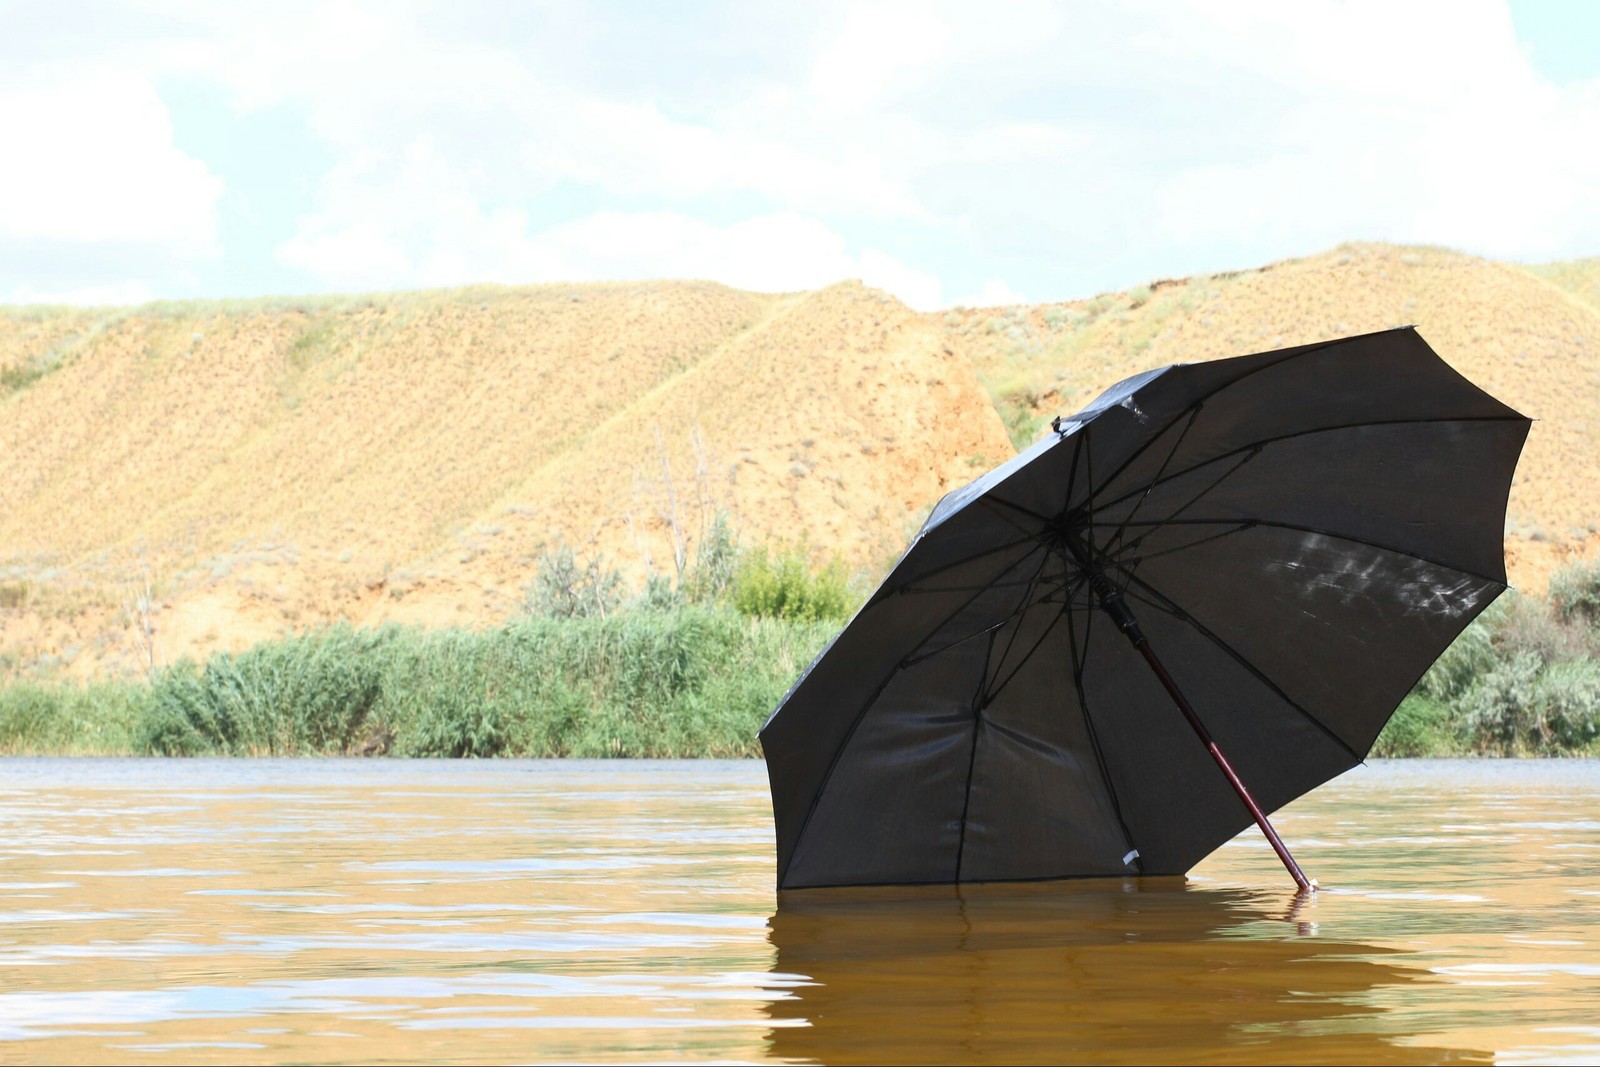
951	154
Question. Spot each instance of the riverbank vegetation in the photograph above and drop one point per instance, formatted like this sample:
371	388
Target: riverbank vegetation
691	668
1522	680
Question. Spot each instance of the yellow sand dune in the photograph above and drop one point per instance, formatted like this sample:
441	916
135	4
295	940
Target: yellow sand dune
277	464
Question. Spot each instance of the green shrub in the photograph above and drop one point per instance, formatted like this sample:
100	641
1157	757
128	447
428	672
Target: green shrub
1471	656
299	695
1566	703
786	587
64	719
1501	710
1575	593
564	588
1420	726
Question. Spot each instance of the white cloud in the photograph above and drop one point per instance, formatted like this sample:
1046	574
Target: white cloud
783	252
1066	150
874	46
90	158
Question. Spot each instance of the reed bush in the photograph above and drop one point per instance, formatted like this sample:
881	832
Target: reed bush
690	682
1566	701
673	678
301	695
102	719
693	681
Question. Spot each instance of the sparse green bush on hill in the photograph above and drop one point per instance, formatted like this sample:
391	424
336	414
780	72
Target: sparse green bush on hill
565	588
785	585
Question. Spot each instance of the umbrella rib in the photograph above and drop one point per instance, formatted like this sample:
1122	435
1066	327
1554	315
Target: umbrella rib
1156	605
972	758
912	661
1265	366
1379	545
1192	501
1279	438
966	588
855	723
909	660
1194	413
990	501
994	694
1134	544
1094	735
1179	612
979	701
1019	613
991	551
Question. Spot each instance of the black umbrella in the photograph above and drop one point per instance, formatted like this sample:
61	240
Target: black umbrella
1299	534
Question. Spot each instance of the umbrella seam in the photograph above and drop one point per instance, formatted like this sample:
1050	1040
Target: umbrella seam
972	758
855	724
979	701
1265	366
1262	443
1184	615
1379	545
1194	415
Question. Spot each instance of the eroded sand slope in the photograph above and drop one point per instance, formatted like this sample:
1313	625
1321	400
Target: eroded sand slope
271	465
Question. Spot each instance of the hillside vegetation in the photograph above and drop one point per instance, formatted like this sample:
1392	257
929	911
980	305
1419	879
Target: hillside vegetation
186	479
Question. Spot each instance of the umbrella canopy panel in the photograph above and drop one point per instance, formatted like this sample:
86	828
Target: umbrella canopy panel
1299	532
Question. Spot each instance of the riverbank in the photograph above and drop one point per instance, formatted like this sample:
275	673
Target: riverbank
675	678
689	682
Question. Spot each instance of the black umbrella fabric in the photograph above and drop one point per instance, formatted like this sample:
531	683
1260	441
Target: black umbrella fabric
1290	539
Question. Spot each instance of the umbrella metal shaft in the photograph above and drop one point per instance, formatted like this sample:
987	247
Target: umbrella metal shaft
1143	645
1115	606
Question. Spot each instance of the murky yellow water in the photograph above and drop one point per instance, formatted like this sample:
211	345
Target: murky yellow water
383	911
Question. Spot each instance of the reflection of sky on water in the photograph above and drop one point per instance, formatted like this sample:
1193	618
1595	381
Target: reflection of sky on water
331	910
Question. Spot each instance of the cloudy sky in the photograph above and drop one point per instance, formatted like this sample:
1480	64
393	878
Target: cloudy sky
961	153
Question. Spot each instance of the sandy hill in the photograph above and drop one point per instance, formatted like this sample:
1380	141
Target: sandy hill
275	465
266	465
1580	276
1532	339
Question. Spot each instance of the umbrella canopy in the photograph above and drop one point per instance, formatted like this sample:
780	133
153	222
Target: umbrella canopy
1298	534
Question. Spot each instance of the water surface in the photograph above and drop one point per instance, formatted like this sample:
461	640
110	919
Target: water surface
269	911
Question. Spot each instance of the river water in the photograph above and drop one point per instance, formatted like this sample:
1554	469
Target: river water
384	911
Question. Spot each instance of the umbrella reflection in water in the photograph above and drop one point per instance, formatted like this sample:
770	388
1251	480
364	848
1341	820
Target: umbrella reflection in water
1147	971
